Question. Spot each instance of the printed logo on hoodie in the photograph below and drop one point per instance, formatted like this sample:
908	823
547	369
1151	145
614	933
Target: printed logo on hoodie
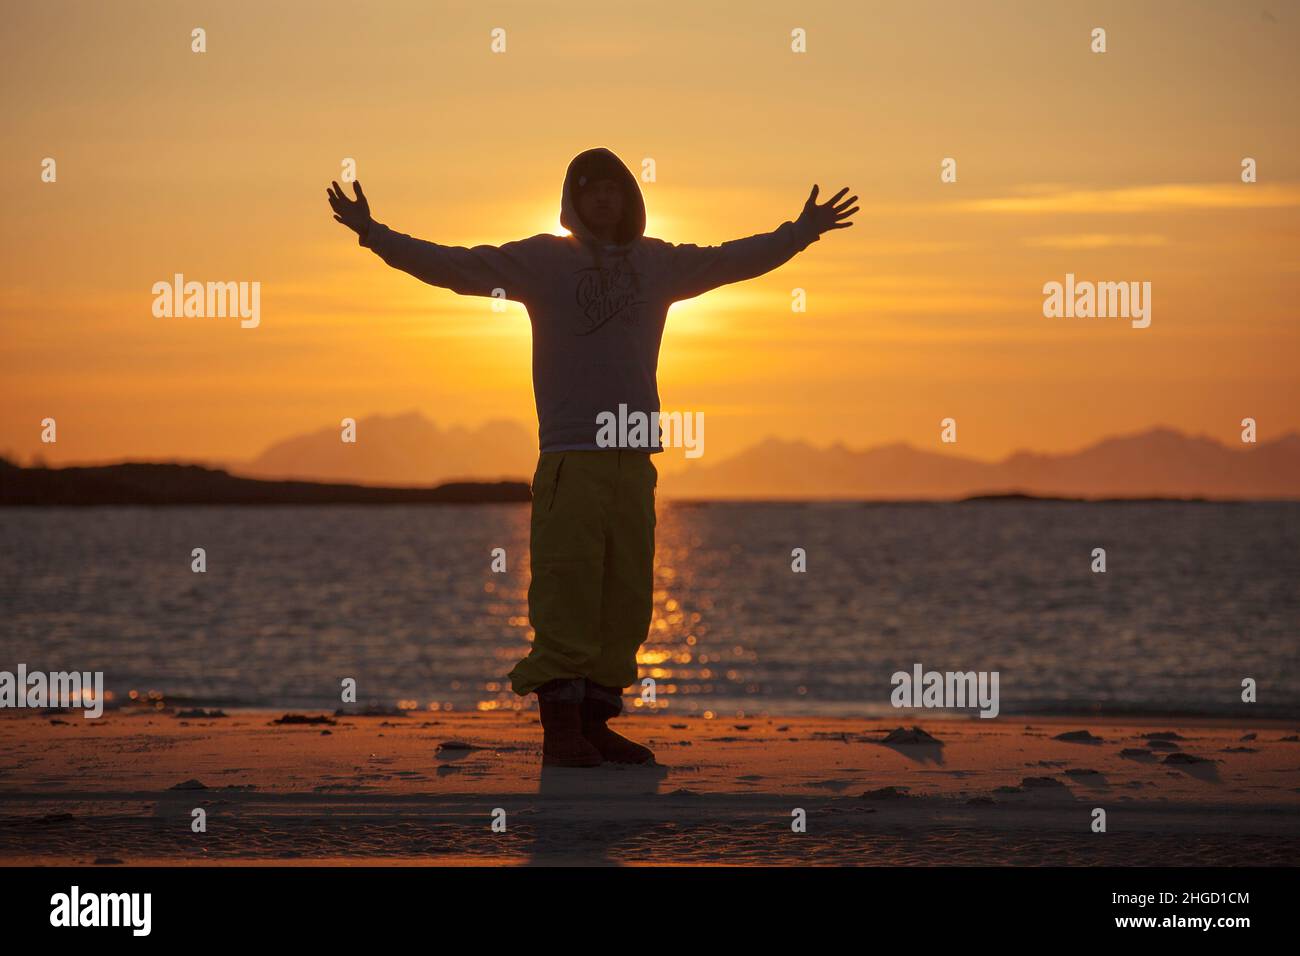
603	293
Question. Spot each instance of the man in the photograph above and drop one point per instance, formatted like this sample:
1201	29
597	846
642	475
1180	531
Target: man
597	300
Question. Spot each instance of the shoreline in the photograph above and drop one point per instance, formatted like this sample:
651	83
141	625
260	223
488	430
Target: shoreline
187	708
388	790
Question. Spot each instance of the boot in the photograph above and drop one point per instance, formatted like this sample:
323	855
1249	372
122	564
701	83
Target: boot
598	708
563	744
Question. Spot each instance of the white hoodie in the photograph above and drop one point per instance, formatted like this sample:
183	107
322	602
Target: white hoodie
597	310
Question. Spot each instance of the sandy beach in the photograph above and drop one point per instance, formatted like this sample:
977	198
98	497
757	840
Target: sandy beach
422	789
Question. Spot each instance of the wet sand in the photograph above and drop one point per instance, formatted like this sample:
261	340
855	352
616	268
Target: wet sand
121	790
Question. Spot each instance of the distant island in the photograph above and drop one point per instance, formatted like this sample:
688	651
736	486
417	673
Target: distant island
134	483
408	460
1019	496
1157	463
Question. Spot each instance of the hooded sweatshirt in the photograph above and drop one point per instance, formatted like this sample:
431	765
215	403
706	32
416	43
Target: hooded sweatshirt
597	309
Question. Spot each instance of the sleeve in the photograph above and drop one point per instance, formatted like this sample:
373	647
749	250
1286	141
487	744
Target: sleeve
694	270
513	267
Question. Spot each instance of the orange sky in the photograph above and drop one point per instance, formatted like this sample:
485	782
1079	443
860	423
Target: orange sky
1119	166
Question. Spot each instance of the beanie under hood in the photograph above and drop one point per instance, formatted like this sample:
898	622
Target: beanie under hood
605	164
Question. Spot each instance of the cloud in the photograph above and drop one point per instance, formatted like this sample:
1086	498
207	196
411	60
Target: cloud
1094	240
1163	197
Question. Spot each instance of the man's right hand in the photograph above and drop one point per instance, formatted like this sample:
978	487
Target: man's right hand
353	213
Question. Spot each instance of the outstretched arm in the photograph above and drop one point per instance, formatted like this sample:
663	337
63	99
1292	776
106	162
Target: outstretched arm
479	270
694	270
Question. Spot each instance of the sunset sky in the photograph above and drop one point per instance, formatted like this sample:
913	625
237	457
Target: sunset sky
1123	166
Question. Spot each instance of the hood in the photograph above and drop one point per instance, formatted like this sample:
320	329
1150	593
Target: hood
633	225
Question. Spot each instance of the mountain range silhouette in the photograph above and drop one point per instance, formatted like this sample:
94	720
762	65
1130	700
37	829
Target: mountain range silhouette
408	449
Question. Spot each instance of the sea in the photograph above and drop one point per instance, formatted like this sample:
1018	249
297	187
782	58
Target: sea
760	609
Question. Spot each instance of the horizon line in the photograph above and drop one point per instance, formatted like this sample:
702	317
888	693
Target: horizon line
35	459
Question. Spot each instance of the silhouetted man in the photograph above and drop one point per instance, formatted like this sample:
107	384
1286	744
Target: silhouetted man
597	300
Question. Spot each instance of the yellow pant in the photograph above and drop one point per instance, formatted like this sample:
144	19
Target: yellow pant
592	543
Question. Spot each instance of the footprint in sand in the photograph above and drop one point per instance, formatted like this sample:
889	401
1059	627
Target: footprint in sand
1079	737
916	735
1044	785
887	793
